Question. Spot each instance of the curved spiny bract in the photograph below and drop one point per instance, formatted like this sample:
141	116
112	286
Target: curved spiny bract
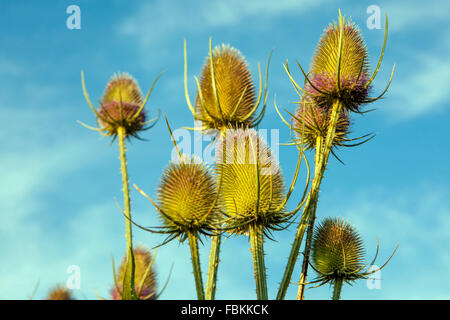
143	260
311	121
353	68
252	188
187	198
235	90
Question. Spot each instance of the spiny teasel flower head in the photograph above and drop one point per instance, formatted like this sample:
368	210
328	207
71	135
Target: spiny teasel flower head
337	250
235	90
354	68
187	197
60	292
252	186
143	260
121	106
122	86
338	253
311	121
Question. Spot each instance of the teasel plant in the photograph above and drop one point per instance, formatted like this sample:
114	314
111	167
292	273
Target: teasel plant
122	116
253	194
226	98
338	255
337	84
188	206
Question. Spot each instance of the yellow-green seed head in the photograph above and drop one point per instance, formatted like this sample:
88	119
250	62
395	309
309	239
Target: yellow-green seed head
337	250
60	292
187	195
122	86
252	188
235	89
353	56
142	260
121	106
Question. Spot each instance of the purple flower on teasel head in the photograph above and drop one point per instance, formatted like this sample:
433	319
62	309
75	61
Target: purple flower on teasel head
352	89
311	121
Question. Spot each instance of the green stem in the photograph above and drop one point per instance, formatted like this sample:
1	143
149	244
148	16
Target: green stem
337	289
128	285
257	248
311	201
309	234
213	267
195	257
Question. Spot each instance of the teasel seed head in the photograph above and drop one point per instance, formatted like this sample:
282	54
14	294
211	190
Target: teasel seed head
252	186
143	260
235	90
311	121
122	106
188	198
60	292
354	68
337	250
338	253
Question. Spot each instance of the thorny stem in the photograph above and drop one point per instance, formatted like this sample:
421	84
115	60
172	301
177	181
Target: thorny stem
337	289
213	267
128	286
195	257
309	234
311	201
257	248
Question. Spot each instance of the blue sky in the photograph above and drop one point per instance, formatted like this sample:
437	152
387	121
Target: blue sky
58	179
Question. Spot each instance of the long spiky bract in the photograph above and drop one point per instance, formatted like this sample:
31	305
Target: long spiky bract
337	83
122	116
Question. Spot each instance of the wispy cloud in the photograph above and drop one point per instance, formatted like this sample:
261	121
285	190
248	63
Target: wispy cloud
420	85
403	15
157	21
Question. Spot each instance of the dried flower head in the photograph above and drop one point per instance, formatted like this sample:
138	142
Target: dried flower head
144	274
60	292
252	186
311	121
187	197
